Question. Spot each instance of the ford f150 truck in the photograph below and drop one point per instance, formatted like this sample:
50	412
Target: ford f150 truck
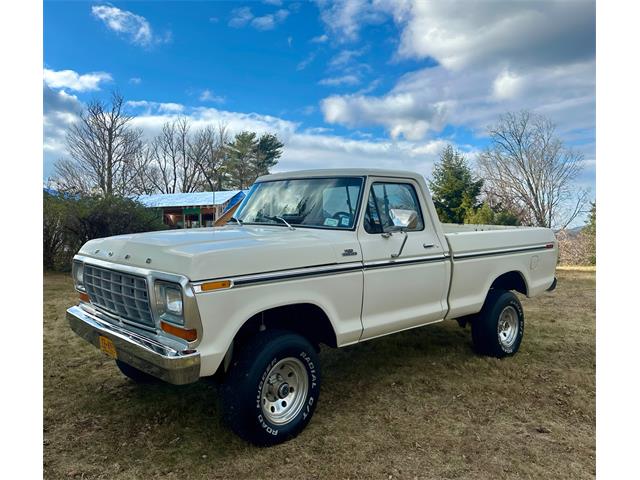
331	257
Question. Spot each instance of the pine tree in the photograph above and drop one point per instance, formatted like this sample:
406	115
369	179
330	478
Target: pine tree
251	157
268	150
241	159
455	190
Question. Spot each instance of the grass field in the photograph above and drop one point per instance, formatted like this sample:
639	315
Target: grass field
418	404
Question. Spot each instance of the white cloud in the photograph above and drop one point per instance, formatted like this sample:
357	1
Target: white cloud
425	101
312	147
491	57
306	62
135	80
344	18
145	107
241	17
208	96
460	33
266	22
276	3
338	81
320	38
75	81
134	27
507	85
60	111
344	57
269	22
306	147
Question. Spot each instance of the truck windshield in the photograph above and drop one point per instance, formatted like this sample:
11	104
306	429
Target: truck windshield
307	202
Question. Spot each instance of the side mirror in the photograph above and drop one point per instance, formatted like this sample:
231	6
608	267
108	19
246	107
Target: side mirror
403	219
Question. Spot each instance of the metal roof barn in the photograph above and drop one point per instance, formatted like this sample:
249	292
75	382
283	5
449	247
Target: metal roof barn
195	209
193	199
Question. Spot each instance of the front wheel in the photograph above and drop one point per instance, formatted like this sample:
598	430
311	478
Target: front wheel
498	330
272	388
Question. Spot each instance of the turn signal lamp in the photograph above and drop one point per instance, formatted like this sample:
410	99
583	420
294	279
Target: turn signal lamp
217	285
186	334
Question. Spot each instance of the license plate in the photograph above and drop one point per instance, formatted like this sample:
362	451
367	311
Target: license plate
107	346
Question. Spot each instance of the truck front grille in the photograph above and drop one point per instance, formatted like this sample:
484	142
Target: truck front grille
120	293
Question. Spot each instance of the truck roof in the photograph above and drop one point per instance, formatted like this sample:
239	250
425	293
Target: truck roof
340	172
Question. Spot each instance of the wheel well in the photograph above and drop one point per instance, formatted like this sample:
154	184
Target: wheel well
306	319
510	281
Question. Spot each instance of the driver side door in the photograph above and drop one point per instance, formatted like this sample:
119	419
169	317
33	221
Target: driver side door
405	272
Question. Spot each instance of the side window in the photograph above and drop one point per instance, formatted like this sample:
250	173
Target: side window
392	206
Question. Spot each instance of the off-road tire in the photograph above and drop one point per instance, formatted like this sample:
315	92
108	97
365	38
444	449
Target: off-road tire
244	405
138	376
490	335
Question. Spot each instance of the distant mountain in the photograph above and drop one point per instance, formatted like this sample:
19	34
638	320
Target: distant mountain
572	232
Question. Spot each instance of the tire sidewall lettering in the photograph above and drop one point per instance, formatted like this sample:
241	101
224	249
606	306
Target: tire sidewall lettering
306	411
261	420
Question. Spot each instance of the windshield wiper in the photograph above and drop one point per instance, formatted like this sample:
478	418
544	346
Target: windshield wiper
237	220
281	219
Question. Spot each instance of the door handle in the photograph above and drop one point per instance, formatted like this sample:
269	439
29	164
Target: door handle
428	245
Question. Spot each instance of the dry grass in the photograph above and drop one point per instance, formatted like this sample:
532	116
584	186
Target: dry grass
580	268
418	404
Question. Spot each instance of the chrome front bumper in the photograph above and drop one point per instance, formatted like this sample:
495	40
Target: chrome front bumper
140	352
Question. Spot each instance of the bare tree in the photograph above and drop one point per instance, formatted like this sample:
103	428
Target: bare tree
528	170
209	152
189	172
102	145
172	169
144	174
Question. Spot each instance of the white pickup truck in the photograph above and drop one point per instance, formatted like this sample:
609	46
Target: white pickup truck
331	257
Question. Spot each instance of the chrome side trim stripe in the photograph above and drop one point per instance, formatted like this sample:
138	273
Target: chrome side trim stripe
333	269
487	253
338	268
296	273
406	261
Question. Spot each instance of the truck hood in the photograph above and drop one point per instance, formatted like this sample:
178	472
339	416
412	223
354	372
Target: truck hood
205	253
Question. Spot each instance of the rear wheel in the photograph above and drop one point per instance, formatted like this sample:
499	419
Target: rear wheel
272	388
498	330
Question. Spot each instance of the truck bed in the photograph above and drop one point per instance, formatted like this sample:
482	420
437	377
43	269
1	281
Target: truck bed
481	253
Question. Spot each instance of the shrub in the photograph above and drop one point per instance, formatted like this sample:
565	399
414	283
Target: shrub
71	222
575	249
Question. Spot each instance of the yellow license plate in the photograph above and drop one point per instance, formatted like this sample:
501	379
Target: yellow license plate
107	346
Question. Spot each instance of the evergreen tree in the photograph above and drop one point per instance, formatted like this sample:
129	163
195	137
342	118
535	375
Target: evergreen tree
485	215
268	150
241	160
482	216
455	190
251	157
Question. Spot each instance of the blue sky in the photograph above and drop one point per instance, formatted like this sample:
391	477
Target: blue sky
344	83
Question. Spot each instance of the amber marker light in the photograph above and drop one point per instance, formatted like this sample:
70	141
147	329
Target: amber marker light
217	285
189	335
84	297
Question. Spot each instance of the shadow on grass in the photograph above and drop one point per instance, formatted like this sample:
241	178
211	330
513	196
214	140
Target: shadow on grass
166	415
